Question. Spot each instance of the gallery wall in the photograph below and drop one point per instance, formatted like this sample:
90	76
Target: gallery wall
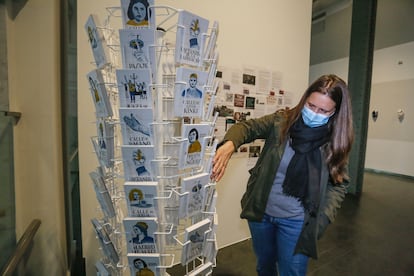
390	141
270	34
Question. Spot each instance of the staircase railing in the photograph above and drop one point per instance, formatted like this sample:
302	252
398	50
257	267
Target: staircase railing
22	248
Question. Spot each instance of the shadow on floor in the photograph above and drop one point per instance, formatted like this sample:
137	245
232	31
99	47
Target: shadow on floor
373	235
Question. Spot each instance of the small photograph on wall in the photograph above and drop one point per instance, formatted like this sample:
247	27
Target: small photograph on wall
219	74
226	85
229	98
249	79
250	102
244	149
254	151
238	100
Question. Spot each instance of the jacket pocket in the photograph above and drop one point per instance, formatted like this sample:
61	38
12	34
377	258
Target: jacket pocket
254	172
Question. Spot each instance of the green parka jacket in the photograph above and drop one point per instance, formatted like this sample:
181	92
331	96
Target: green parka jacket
261	178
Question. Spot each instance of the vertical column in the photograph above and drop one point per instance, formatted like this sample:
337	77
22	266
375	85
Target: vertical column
359	80
7	196
4	93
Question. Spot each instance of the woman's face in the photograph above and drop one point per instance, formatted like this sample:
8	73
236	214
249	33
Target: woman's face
139	11
320	103
138	264
192	136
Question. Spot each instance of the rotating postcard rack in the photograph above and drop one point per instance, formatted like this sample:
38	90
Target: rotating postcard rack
159	76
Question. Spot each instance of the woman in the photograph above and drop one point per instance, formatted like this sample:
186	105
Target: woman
142	268
194	144
297	183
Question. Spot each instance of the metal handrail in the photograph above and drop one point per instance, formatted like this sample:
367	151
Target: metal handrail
14	115
22	248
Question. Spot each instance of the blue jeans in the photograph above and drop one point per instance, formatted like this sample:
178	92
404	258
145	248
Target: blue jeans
274	241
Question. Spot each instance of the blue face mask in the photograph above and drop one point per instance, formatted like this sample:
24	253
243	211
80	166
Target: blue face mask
313	119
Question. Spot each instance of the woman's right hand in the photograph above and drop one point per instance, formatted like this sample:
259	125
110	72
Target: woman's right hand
221	159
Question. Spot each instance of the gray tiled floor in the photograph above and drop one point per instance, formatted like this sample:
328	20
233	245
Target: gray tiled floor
372	235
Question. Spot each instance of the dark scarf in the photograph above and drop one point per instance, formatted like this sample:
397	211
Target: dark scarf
304	170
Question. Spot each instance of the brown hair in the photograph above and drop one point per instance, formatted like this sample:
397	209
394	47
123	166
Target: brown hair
340	124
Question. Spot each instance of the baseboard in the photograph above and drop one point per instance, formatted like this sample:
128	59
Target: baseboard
389	173
235	242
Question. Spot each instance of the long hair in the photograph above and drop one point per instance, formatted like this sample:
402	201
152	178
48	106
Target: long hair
340	124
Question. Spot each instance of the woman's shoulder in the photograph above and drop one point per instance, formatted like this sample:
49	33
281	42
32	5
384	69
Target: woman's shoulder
281	113
276	117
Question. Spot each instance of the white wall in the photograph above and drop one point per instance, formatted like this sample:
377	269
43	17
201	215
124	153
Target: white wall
33	59
390	143
267	33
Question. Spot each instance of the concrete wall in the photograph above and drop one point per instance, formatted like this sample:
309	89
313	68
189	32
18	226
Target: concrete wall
33	67
331	35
